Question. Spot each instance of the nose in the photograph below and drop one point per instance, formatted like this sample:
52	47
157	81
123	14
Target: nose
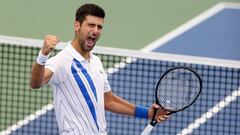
96	31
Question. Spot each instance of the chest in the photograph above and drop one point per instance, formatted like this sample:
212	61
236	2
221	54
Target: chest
89	72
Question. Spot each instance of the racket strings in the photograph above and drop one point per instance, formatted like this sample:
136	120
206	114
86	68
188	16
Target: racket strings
178	89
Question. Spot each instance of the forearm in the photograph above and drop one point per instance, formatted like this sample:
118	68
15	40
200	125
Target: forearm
37	75
118	105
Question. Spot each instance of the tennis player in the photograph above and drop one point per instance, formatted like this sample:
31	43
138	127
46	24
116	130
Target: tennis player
81	89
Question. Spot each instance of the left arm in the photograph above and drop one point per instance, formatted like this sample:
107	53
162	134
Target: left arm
118	105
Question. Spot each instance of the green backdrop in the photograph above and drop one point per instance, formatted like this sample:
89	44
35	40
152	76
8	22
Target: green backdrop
129	24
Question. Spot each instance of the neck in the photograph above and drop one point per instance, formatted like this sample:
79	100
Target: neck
77	47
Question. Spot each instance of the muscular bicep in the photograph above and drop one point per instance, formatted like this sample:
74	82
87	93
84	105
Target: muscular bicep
39	76
47	75
108	99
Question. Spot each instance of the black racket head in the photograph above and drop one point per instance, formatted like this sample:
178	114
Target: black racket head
178	88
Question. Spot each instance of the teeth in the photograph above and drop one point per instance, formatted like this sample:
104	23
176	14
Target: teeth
90	40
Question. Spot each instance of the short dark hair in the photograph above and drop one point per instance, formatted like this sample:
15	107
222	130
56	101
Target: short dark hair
89	9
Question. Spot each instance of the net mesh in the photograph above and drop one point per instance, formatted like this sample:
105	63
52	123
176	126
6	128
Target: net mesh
30	112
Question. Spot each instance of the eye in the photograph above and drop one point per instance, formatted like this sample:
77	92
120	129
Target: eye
91	25
100	27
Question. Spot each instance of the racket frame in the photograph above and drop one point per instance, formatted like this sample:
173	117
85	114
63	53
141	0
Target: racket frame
153	121
182	67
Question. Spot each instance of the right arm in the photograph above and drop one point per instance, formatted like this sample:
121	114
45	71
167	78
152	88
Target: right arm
40	75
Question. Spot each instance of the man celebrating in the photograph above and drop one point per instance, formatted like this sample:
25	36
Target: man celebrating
81	92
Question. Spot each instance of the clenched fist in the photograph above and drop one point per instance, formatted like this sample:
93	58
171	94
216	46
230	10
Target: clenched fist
50	41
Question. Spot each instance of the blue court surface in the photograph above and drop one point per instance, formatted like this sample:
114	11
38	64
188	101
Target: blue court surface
215	36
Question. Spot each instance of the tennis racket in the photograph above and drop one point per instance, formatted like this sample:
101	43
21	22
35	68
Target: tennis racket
177	89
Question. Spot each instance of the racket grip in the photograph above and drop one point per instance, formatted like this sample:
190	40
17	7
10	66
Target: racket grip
147	130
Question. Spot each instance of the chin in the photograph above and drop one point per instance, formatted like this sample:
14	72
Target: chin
88	48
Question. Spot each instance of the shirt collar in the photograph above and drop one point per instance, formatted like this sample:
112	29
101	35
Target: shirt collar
75	53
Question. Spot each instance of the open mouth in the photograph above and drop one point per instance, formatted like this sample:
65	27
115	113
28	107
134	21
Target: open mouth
91	41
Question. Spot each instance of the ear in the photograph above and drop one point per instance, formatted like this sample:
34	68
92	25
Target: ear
77	26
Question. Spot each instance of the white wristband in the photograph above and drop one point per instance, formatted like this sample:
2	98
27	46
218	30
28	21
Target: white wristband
42	59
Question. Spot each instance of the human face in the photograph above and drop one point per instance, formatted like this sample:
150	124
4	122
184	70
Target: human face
88	32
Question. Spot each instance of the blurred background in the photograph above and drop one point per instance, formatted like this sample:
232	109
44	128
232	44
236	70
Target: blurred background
129	24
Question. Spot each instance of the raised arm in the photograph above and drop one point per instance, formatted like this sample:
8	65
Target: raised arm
40	75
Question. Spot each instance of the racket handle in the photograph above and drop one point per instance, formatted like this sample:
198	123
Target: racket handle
147	130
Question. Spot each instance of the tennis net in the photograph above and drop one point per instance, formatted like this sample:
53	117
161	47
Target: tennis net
133	76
